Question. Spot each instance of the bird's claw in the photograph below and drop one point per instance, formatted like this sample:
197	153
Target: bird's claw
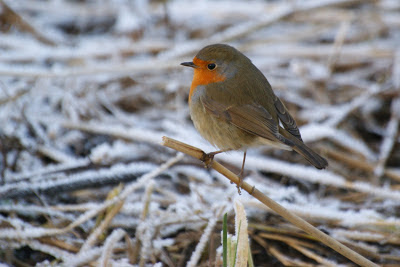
208	159
241	179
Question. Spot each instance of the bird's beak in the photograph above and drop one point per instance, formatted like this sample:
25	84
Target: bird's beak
189	64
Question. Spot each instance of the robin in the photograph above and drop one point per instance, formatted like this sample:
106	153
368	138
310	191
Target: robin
233	106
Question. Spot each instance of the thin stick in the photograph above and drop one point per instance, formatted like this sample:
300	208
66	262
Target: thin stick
291	217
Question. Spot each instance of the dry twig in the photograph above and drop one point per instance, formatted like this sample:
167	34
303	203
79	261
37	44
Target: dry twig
296	220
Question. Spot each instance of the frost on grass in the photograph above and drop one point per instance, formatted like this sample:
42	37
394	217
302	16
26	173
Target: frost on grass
87	90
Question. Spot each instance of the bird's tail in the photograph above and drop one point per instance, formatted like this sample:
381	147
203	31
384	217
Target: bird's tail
312	157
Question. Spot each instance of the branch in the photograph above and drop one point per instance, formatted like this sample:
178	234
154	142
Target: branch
291	217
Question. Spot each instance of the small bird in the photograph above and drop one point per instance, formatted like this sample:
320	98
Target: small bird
233	106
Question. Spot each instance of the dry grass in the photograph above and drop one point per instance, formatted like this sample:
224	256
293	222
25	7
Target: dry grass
88	89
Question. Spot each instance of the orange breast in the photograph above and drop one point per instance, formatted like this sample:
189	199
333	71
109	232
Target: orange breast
203	76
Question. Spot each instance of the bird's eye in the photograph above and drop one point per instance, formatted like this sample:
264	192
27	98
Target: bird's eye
211	66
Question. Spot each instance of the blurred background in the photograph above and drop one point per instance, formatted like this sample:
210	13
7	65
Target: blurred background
88	89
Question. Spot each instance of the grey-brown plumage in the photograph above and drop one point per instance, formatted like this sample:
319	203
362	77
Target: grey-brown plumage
233	106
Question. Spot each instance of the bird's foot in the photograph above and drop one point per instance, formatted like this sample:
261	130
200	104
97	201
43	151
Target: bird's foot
208	159
241	179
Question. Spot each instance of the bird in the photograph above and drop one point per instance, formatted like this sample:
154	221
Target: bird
232	105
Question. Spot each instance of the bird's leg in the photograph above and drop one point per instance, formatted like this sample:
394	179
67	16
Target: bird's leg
209	157
242	171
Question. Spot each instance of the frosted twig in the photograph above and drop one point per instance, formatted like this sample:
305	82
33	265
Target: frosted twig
366	236
108	247
148	65
84	258
34	232
117	173
338	44
360	163
310	174
32	209
141	228
242	237
331	213
237	31
203	240
56	155
51	169
309	253
83	52
396	70
142	135
314	131
355	54
339	113
390	139
94	236
51	250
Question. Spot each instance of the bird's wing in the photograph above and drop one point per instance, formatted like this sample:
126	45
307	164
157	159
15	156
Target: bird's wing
252	118
287	121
